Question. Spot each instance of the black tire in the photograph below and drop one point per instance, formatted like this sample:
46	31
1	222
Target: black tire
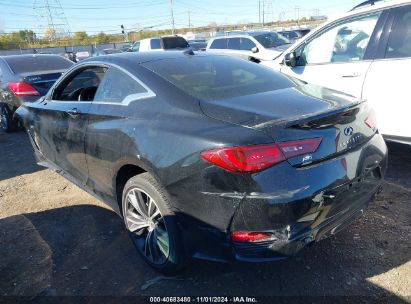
6	119
146	187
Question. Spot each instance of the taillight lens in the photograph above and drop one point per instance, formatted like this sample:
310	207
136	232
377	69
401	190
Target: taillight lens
242	236
371	120
251	159
245	159
23	89
295	148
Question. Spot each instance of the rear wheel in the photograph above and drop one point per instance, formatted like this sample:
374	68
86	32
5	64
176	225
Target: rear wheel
6	120
152	224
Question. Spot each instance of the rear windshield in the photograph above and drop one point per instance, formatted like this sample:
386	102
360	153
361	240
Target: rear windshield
30	64
270	40
174	43
218	77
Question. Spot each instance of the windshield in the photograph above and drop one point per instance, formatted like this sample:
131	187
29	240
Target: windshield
271	40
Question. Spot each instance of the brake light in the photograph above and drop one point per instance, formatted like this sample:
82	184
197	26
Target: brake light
23	89
252	159
371	120
241	236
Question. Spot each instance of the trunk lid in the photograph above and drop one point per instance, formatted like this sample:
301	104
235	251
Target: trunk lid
301	112
42	82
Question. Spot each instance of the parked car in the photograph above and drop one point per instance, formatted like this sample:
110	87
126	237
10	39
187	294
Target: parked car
364	53
97	52
254	46
82	55
294	35
160	44
197	45
209	156
24	78
69	55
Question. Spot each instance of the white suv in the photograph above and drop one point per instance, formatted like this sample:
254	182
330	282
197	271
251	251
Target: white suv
365	53
160	44
256	46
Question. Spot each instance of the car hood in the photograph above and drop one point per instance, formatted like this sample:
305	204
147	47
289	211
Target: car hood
281	48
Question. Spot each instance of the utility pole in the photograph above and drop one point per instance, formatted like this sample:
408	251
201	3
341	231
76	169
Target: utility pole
297	13
259	11
53	14
189	20
263	13
172	18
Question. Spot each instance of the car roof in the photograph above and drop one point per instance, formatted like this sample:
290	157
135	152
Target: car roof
141	57
243	34
28	56
377	6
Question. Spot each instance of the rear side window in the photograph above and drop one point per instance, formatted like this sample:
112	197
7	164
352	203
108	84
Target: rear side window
37	63
116	86
155	44
234	43
219	44
399	43
218	77
247	44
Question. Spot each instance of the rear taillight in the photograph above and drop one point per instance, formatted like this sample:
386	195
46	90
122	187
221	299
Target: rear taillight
295	148
242	236
256	158
23	89
371	120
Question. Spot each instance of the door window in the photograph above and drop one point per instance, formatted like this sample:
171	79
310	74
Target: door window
345	42
155	44
234	43
117	85
219	44
136	47
82	86
399	43
247	44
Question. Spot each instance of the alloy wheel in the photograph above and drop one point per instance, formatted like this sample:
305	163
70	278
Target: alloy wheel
4	119
146	223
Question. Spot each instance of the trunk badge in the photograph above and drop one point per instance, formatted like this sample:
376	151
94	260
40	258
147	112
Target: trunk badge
348	131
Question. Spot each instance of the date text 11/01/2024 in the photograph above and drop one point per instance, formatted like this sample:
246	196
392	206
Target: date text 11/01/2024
203	300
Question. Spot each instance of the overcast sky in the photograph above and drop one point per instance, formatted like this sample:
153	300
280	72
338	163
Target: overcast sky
103	15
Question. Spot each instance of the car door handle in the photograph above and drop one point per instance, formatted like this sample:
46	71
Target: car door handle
73	112
353	75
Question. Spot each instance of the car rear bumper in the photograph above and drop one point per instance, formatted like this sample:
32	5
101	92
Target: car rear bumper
298	206
338	210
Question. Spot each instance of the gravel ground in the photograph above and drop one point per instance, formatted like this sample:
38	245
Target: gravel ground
57	240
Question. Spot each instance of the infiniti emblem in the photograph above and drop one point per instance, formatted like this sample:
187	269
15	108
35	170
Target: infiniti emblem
348	131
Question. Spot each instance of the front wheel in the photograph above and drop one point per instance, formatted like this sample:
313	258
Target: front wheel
152	224
6	121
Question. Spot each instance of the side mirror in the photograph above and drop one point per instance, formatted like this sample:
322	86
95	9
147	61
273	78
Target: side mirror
290	59
254	49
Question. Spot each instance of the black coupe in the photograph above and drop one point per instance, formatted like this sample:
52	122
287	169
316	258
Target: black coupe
209	156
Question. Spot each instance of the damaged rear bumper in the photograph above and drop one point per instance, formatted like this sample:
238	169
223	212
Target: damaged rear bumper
336	193
298	206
